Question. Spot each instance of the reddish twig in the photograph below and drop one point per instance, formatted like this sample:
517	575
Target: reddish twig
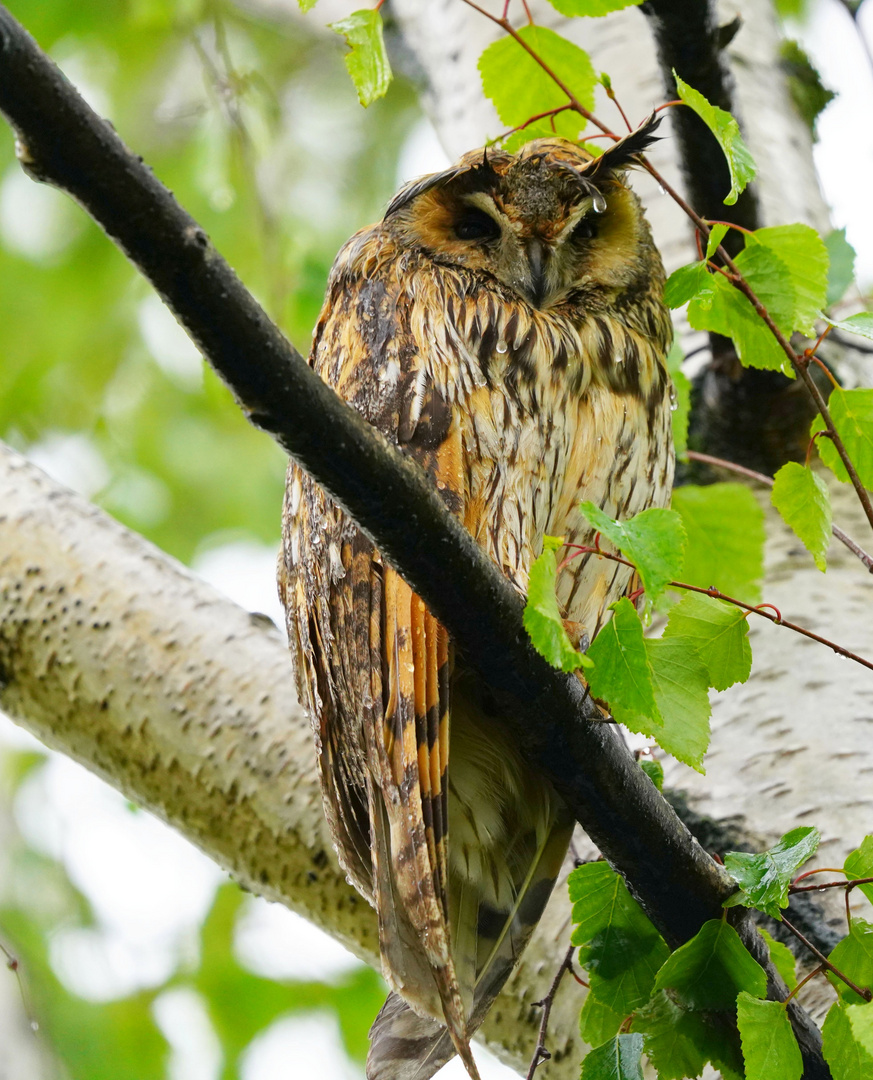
610	93
862	992
803	982
533	119
731	225
847	885
820	870
732	466
823	366
717	594
821	337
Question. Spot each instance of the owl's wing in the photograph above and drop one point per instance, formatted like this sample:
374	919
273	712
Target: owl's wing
373	663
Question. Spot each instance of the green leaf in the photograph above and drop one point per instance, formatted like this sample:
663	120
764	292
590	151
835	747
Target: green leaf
769	1047
710	970
679	1042
802	499
725	310
681	682
542	616
720	633
596	894
852	414
618	1059
727	132
717	233
725	528
841	272
860	324
307	5
673	1038
860	865
764	878
791	8
592	8
769	277
681	400
861	1019
686	283
653	540
621	674
367	62
847	1057
809	94
802	251
621	949
854	958
654	770
597	1022
782	957
520	88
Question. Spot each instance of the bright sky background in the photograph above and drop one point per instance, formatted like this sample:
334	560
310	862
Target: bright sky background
149	887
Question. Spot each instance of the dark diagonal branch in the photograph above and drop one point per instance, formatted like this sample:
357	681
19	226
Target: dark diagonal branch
690	42
64	143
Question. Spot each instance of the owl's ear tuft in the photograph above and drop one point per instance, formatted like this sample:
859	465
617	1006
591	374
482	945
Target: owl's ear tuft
478	175
622	153
414	188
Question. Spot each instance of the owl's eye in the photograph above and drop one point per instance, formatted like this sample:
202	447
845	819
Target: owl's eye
476	225
585	230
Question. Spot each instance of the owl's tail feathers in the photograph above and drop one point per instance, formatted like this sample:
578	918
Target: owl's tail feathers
406	1046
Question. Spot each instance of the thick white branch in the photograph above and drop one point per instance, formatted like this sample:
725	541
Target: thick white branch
116	655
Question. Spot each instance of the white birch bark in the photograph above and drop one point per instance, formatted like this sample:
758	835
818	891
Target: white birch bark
116	655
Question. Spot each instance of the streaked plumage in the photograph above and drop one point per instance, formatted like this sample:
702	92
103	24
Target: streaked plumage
503	325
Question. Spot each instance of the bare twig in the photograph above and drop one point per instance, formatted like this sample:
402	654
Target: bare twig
863	992
549	113
847	885
15	967
540	1053
815	971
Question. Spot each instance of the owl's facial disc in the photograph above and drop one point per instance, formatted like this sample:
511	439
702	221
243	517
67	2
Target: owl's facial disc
540	227
519	254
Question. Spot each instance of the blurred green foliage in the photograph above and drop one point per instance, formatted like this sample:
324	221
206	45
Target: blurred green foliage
254	125
120	1039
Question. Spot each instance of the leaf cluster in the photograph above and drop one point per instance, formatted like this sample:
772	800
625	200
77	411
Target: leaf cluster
660	686
678	1004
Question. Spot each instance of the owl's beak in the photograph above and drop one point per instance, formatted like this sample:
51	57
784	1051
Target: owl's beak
537	257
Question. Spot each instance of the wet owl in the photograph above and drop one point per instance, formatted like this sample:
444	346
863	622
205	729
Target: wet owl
502	325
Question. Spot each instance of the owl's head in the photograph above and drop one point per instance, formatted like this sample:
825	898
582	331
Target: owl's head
543	221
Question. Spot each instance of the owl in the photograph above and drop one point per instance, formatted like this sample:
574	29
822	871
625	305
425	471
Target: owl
503	326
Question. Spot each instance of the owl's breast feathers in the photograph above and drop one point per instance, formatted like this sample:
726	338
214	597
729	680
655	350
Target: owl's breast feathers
517	414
